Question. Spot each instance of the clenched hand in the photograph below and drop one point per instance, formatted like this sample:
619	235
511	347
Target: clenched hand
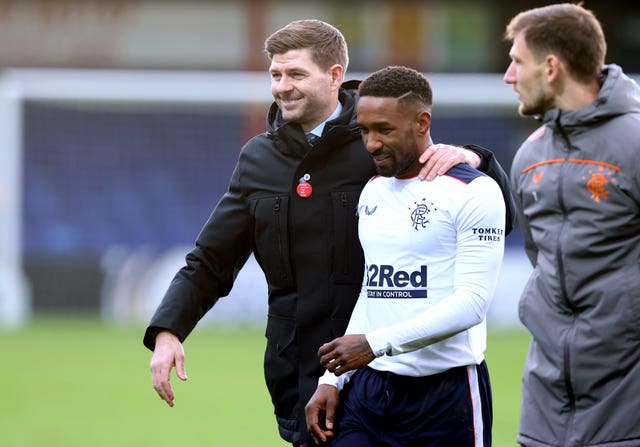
346	353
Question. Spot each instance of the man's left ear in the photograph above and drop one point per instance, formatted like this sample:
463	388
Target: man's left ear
553	67
337	74
424	121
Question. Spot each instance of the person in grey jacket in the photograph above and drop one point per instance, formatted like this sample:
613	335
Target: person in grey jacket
576	182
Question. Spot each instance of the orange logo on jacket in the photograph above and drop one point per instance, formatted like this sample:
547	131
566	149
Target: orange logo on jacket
597	184
537	177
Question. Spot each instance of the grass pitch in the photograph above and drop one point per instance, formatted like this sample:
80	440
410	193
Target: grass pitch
75	382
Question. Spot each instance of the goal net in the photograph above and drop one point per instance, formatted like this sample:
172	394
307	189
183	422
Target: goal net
106	177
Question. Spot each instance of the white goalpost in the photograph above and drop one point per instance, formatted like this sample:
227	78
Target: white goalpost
15	307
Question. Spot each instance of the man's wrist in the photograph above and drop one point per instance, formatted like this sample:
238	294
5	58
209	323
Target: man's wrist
484	155
164	334
472	159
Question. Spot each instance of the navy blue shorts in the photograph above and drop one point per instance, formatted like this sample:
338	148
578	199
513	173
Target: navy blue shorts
452	408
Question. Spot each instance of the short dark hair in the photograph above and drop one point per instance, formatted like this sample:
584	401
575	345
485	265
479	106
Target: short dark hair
400	82
327	44
569	31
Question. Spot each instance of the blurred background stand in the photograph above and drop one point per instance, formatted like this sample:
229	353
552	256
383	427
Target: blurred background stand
121	120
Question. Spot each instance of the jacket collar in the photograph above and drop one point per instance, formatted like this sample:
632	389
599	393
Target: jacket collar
619	94
291	139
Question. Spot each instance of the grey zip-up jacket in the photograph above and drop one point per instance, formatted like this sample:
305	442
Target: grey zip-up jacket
576	181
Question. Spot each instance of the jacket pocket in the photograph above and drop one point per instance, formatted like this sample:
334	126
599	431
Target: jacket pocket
271	239
280	366
633	293
348	260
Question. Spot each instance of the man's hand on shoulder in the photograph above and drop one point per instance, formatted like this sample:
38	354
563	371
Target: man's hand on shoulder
439	158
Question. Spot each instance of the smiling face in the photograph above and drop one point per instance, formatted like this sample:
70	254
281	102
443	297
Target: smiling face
394	133
527	75
305	93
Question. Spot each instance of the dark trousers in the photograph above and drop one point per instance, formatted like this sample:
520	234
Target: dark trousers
382	409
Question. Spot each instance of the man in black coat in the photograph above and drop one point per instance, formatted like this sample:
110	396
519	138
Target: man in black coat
292	203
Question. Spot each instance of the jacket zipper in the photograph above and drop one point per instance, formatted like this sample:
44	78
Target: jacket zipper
561	272
344	203
276	213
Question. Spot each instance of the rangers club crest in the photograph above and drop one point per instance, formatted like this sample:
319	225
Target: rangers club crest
419	214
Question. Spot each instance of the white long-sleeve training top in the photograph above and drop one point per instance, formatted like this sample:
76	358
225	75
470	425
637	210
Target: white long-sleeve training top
432	252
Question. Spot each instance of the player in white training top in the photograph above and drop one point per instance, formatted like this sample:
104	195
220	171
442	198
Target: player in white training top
411	367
